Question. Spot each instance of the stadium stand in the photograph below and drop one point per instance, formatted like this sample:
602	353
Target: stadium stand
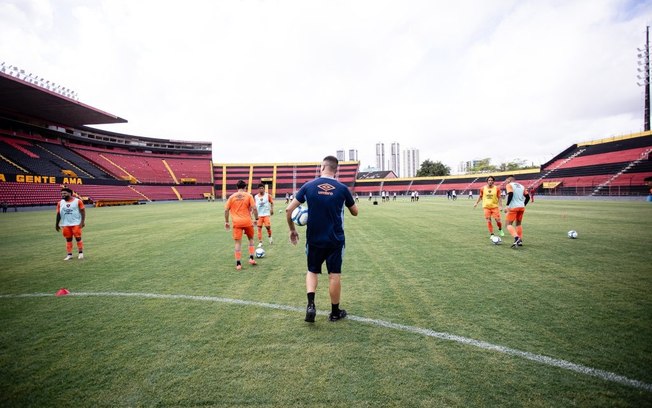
105	195
614	166
45	143
281	178
199	170
194	192
139	167
437	185
23	194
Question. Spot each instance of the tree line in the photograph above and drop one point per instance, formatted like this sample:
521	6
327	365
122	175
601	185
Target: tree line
436	168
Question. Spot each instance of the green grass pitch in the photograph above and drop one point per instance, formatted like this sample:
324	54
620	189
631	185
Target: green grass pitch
158	315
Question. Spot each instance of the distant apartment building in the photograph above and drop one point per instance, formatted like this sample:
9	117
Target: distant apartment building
353	155
411	163
465	167
380	156
395	159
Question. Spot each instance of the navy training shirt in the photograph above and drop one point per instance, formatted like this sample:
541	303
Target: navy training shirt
326	198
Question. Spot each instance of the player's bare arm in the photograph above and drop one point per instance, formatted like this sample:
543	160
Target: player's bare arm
294	235
353	210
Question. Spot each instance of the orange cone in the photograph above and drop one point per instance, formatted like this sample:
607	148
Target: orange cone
62	292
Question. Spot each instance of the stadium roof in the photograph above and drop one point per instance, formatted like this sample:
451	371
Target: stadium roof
24	100
381	174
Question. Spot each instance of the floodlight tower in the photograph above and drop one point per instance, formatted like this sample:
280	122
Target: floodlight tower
644	60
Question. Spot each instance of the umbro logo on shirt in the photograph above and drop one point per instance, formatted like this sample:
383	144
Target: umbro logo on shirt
326	188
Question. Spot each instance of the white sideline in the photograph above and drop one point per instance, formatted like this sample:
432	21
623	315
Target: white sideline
567	365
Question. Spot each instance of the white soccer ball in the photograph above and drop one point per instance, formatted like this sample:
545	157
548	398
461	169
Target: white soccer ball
496	239
260	253
300	216
572	234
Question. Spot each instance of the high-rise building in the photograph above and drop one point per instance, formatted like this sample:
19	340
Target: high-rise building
467	166
411	162
380	156
395	159
353	154
340	155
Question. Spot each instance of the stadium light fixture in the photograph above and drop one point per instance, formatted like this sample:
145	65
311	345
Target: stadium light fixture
16	72
644	68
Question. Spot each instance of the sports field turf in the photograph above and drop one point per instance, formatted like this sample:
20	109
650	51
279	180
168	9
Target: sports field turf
439	316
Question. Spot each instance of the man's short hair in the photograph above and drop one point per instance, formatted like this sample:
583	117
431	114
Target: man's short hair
67	189
261	185
491	177
331	161
241	184
511	175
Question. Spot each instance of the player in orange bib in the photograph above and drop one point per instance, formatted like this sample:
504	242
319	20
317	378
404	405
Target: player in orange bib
71	218
240	206
492	203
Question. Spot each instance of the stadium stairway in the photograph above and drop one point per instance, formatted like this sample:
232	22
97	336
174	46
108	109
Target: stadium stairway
169	169
131	177
469	186
139	193
176	192
536	183
438	185
13	164
629	166
79	170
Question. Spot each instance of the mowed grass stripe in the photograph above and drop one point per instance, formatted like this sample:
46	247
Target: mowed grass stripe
567	365
581	301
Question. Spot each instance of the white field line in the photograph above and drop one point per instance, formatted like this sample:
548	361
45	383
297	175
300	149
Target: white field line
538	358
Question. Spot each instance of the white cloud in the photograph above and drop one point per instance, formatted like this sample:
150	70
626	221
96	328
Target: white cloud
296	80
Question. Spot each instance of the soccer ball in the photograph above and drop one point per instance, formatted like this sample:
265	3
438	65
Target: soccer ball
300	216
572	234
260	253
496	239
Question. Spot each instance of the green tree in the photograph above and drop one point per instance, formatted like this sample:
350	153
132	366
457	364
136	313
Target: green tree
516	164
430	168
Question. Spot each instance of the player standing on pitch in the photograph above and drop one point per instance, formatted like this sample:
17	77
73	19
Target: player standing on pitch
326	198
517	199
265	207
240	206
492	203
71	218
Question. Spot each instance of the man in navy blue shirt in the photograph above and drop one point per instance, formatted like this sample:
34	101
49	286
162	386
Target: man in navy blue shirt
326	198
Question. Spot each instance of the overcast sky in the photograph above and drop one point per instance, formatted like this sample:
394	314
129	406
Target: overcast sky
293	81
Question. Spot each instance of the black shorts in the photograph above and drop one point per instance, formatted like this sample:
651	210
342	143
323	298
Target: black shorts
317	256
